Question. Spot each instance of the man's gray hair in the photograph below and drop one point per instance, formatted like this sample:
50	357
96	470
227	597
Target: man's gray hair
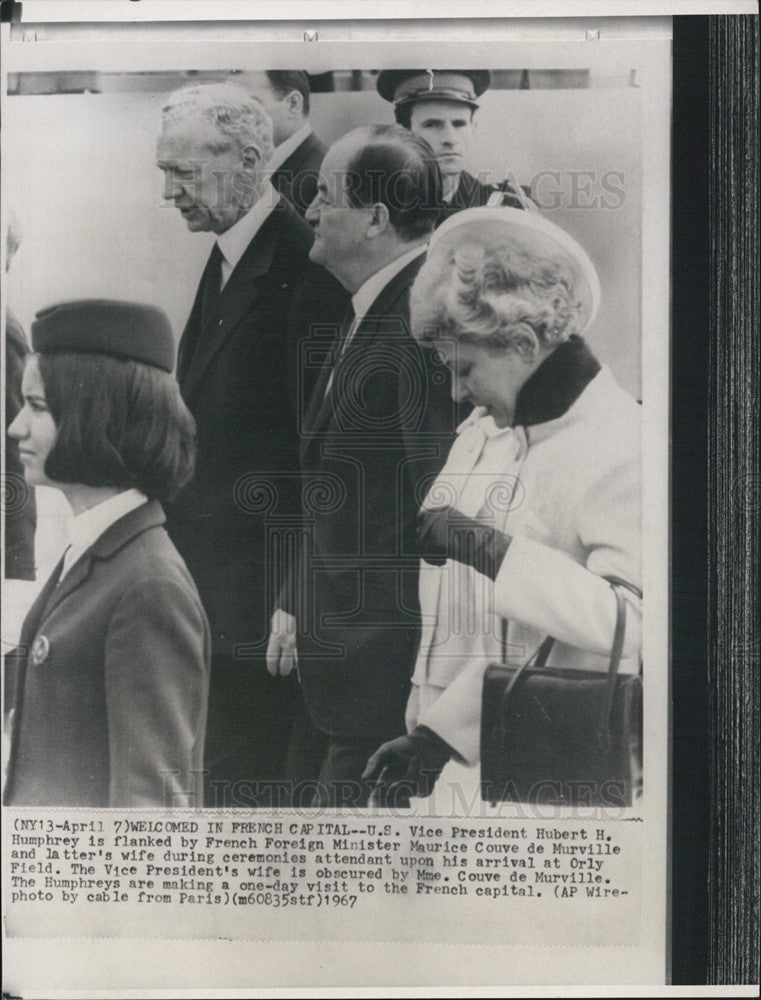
229	111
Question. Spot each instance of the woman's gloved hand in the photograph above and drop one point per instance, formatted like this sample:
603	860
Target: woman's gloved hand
446	533
407	766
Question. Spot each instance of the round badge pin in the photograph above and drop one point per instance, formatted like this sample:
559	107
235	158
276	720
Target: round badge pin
40	650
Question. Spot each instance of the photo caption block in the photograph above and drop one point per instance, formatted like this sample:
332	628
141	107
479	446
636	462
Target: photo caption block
103	873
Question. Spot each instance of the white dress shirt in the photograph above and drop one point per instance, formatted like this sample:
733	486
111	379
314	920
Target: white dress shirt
364	297
87	527
234	242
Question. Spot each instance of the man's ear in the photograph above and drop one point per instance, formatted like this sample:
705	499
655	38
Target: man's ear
295	104
380	220
252	158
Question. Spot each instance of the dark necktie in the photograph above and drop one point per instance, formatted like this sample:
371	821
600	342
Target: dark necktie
339	346
325	378
212	285
211	281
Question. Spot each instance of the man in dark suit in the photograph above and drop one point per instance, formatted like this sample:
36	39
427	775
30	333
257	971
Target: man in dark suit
440	106
295	163
378	427
235	368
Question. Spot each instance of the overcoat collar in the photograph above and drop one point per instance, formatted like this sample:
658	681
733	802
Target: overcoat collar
468	193
294	160
114	538
556	384
237	296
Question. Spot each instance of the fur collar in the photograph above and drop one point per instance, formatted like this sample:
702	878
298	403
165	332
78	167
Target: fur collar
557	383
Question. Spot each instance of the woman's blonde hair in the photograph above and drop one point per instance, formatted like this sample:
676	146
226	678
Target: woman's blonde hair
497	298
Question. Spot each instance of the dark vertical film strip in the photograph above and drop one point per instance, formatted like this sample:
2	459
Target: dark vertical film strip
716	485
734	501
689	405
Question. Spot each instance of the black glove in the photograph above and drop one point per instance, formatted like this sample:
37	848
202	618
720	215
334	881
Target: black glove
406	767
446	533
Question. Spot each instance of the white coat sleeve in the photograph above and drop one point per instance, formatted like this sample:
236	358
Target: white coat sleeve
547	590
456	715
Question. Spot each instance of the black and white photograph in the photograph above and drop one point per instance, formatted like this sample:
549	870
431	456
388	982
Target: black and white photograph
336	504
339	514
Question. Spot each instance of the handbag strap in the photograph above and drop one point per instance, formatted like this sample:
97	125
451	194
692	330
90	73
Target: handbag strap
539	658
618	581
603	735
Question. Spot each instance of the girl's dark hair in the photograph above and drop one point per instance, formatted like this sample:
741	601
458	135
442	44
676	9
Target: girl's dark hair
120	423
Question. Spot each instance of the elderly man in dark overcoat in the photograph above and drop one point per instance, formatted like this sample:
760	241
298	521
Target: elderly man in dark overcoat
235	369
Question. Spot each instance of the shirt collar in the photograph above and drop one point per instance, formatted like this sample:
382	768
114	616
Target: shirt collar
87	527
287	146
234	242
448	199
557	383
364	297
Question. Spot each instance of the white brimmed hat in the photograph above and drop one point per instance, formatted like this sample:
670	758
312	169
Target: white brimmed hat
493	227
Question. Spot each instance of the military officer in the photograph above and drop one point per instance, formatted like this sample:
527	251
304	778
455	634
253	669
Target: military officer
440	105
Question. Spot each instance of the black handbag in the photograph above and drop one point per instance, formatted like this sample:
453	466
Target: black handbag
555	736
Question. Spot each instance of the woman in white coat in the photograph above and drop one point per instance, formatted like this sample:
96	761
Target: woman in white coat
540	498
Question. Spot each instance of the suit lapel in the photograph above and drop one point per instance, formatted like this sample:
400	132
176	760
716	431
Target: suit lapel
146	516
35	614
321	407
321	402
320	398
76	576
293	163
236	299
192	328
